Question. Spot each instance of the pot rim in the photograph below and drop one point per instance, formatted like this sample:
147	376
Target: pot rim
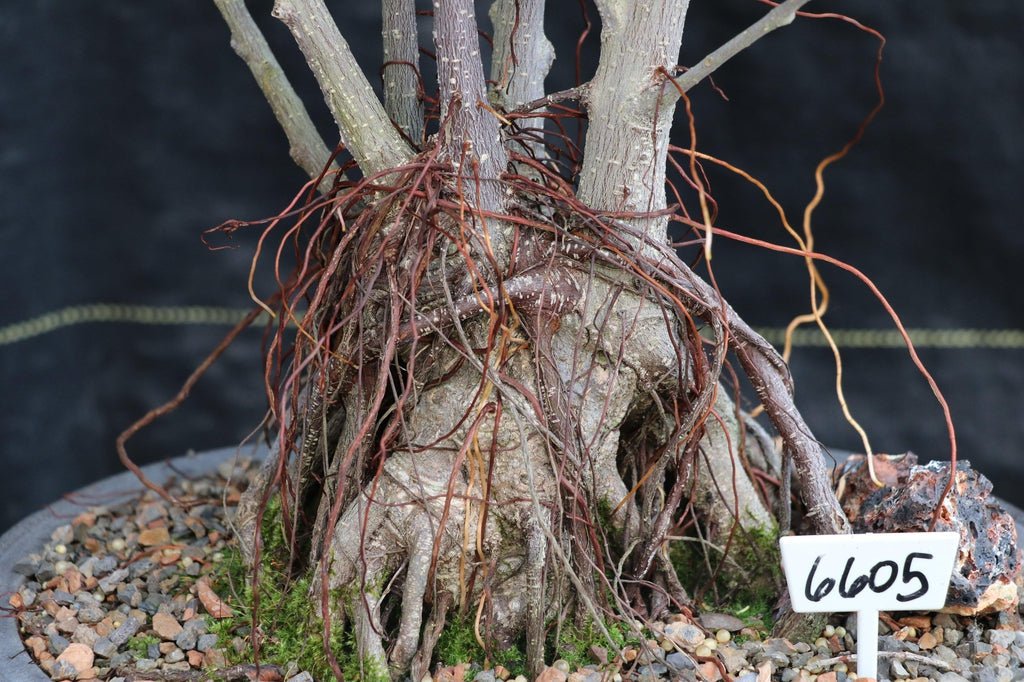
31	533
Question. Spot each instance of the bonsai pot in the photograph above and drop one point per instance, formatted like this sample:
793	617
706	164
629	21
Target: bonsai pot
30	535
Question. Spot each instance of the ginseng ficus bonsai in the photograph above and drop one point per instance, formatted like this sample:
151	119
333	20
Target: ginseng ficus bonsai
497	390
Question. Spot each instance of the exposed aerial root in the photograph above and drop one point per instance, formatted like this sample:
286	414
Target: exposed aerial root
513	442
489	401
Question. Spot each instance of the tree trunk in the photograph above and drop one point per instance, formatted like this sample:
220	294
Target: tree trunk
505	394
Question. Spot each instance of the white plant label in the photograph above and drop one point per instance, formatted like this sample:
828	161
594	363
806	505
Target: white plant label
867	574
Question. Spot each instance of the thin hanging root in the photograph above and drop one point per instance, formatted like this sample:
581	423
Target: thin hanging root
416	574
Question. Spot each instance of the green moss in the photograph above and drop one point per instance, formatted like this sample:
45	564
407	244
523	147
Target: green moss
573	642
458	644
292	633
139	645
749	593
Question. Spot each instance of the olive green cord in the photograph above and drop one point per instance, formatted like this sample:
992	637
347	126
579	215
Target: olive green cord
224	317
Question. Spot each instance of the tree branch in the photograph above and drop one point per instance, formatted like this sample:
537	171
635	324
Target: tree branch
468	128
401	67
364	126
522	54
307	148
631	110
781	15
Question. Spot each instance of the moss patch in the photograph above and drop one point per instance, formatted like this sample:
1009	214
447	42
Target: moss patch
573	642
458	644
748	592
292	633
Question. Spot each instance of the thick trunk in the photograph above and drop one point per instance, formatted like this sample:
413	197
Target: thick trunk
501	400
630	108
401	68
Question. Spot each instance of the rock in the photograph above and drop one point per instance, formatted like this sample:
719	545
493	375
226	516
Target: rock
721	621
551	674
206	642
104	566
62	670
152	603
84	634
104	648
211	602
78	656
684	635
63	598
988	563
896	669
952	677
733	659
301	677
126	631
154	536
680	661
779	646
709	672
145	665
90	615
927	641
1003	638
175	655
110	583
485	676
57	644
653	670
129	593
190	633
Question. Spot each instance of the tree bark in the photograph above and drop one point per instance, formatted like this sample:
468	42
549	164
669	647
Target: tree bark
364	125
470	134
631	110
522	55
401	68
306	146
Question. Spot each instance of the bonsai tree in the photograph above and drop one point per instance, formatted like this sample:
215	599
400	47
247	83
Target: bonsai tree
496	389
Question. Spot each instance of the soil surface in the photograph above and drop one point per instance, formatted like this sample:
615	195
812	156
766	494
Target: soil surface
138	591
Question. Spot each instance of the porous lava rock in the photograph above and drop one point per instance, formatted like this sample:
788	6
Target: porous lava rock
988	564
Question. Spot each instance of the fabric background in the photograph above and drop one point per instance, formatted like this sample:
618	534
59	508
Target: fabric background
128	128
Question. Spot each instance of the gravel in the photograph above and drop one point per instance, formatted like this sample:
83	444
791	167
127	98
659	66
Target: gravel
113	595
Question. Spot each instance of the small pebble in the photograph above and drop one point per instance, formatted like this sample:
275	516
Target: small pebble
723	636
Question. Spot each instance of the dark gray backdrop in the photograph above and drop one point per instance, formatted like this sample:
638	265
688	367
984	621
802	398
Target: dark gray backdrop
128	128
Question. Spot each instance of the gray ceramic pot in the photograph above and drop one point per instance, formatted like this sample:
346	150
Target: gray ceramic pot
16	665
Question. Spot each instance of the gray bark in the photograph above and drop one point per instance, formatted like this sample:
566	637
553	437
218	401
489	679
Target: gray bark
401	63
631	110
306	146
363	123
470	134
522	55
